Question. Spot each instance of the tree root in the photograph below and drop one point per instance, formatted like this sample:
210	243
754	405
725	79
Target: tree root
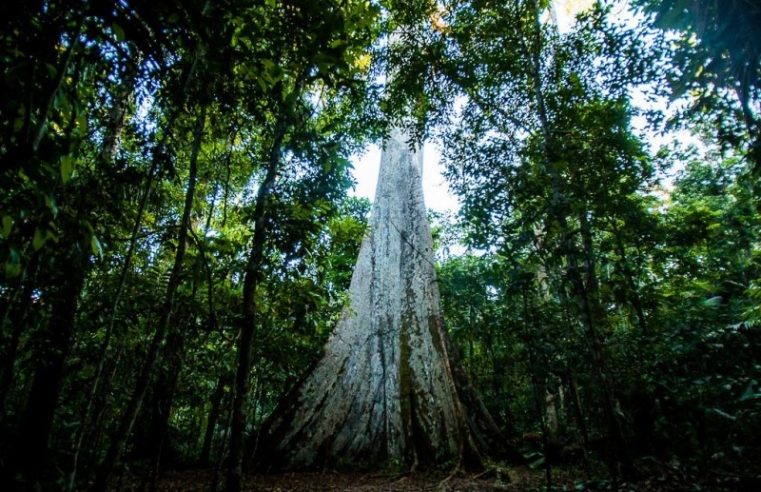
456	470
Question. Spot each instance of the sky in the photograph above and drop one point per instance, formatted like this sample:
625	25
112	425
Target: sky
435	189
438	195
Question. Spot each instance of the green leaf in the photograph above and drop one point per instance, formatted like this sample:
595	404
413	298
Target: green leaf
40	237
12	270
51	204
750	393
713	301
13	265
536	463
67	167
97	249
7	225
82	123
51	69
722	413
118	32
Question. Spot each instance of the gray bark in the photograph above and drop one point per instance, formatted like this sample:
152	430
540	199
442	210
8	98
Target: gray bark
388	390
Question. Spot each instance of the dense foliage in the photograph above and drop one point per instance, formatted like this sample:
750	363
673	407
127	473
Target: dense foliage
608	302
176	236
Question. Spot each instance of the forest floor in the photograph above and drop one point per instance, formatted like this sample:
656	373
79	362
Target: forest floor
520	479
200	480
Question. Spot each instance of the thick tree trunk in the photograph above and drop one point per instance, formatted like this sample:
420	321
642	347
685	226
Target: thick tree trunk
389	390
31	450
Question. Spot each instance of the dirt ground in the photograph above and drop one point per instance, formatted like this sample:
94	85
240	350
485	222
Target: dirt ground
513	480
517	479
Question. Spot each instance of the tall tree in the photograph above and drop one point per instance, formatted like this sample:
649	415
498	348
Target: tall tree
388	390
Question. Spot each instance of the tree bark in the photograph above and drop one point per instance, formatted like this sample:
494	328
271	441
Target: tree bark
389	390
163	398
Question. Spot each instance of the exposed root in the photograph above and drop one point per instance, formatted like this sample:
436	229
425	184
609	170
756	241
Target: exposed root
458	469
488	473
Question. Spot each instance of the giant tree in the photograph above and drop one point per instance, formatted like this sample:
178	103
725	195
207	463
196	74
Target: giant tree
388	389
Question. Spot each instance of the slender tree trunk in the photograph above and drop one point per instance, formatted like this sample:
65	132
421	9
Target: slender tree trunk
580	420
559	213
167	381
211	421
590	260
537	386
228	170
114	128
95	430
212	321
246	340
253	439
634	297
163	395
222	454
590	305
141	385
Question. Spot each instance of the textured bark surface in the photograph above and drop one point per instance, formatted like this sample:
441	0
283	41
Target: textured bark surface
388	391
